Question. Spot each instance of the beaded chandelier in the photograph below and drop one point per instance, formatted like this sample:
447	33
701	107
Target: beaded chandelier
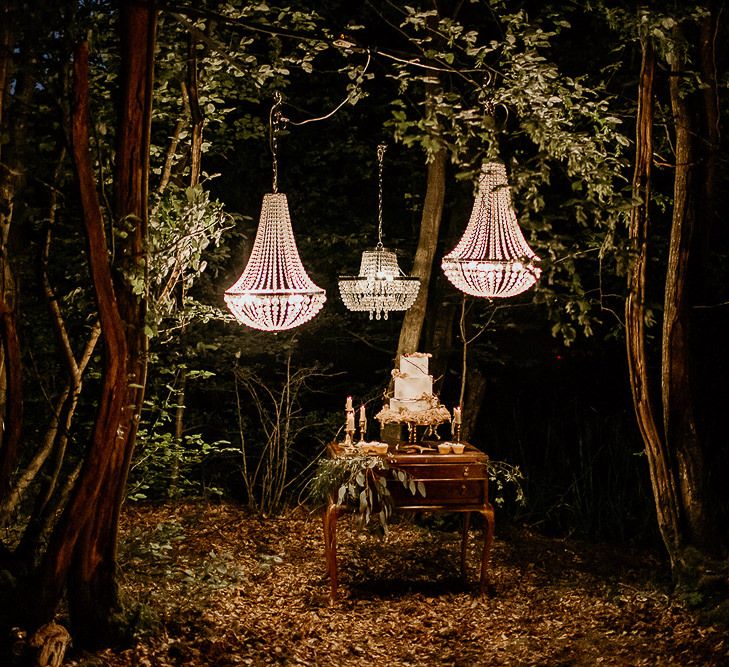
274	292
492	259
380	286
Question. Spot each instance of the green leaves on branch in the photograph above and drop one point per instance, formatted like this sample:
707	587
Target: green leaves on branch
184	224
510	98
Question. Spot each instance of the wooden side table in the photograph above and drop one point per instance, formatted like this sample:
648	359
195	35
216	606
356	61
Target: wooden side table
453	483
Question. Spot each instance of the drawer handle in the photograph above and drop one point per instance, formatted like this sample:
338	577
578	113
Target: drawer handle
465	471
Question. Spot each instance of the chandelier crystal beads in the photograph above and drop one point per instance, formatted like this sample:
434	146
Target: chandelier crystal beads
492	259
380	286
274	292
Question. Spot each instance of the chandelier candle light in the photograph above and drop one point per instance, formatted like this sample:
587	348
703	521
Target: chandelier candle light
380	286
274	292
492	259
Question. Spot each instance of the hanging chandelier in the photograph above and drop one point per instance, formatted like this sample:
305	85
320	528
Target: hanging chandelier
274	292
380	286
492	259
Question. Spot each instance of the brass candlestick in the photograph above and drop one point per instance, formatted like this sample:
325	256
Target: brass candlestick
457	432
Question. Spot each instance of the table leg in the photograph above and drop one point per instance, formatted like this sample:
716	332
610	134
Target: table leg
488	539
464	545
325	526
330	548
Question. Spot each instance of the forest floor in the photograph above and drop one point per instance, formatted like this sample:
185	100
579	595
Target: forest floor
221	587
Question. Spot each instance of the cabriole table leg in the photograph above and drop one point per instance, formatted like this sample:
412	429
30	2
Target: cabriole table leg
464	545
330	548
488	539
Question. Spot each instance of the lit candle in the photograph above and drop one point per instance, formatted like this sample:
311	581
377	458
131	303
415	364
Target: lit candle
457	415
349	403
362	415
350	421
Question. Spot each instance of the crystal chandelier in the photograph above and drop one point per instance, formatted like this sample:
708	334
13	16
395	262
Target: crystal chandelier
274	292
380	286
492	259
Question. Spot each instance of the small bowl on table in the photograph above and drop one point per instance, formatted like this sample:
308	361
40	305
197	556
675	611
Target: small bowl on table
457	448
444	448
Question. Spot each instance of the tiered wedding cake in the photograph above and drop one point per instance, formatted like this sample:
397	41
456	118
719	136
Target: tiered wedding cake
413	399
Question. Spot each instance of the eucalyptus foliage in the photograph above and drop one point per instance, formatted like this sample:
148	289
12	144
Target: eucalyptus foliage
360	482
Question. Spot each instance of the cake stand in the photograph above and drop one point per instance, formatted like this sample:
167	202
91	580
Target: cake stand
430	419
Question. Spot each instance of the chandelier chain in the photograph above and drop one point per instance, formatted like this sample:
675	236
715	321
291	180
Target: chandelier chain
379	288
274	123
380	159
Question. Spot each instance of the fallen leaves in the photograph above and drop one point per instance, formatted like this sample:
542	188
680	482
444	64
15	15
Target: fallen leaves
230	589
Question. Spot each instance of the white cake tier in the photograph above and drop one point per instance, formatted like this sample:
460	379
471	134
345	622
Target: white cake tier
414	365
419	405
410	388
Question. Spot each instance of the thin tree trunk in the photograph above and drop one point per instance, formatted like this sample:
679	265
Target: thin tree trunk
54	441
196	122
662	480
42	521
170	157
56	435
196	116
472	403
174	489
7	454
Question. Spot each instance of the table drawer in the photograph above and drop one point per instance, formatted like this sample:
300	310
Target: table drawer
441	492
447	471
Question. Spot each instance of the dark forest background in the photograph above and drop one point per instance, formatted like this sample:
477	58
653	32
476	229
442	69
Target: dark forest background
550	88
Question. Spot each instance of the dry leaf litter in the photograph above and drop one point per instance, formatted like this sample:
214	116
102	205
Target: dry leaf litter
222	587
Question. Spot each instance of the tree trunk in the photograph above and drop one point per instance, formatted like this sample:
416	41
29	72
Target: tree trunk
711	236
412	324
7	22
677	368
93	595
12	417
439	334
11	391
662	480
107	441
83	546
